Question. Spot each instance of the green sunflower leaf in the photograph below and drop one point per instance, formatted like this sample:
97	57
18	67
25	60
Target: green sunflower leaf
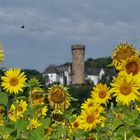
116	124
37	134
46	122
3	98
20	98
136	132
21	125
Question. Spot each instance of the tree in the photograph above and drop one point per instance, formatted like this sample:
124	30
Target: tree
34	73
81	93
99	62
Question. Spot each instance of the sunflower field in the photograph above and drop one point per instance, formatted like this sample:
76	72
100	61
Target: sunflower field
29	111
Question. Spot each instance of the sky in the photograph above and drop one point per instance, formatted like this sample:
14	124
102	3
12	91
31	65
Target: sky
52	26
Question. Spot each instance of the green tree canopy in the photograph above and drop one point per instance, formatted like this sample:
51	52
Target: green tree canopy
31	73
99	62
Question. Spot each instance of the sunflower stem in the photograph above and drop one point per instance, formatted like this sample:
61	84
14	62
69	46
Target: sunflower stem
16	108
125	135
30	95
125	124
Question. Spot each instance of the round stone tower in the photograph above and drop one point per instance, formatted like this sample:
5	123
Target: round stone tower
78	67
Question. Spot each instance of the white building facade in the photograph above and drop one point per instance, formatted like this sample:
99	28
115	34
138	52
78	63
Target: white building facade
58	74
62	74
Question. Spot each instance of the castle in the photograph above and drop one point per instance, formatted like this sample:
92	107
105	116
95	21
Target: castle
74	73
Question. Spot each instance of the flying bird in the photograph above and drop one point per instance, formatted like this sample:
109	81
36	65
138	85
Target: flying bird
22	26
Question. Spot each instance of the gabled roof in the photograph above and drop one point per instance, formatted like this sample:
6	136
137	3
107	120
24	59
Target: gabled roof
50	69
56	69
92	71
96	71
110	71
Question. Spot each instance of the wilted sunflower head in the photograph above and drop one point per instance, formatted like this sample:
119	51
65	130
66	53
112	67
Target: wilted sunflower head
58	97
58	116
122	52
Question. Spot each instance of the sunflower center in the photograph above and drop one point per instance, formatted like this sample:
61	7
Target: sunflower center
76	124
20	109
90	105
57	96
33	126
102	94
132	67
13	81
48	131
138	106
125	89
90	119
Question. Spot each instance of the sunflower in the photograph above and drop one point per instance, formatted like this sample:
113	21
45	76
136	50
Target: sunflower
138	108
122	52
12	112
37	96
21	108
119	116
38	99
37	90
1	120
34	123
103	121
14	80
125	89
57	116
17	109
88	103
48	131
75	124
58	97
91	103
42	112
137	138
1	53
101	93
89	119
131	66
6	136
2	110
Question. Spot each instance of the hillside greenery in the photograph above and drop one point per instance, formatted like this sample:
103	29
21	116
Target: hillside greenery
99	62
102	62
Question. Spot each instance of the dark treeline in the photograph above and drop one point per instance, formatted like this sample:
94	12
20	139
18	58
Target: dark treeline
102	62
99	62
